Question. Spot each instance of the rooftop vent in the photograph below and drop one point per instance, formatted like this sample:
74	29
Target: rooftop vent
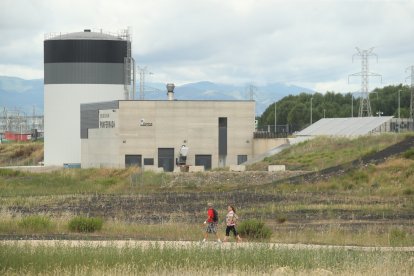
170	91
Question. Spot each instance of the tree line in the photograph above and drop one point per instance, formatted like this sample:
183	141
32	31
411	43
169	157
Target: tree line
294	111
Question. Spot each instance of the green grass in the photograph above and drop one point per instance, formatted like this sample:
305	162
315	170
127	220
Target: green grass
35	223
28	259
323	152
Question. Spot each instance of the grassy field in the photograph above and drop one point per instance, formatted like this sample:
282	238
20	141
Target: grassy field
199	259
370	205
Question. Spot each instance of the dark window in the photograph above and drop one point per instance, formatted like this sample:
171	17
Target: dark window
166	159
203	160
223	122
149	161
132	160
241	159
222	139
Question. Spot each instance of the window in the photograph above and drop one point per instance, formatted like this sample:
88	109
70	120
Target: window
148	161
132	160
241	159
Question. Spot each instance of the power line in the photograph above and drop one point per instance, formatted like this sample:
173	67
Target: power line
364	105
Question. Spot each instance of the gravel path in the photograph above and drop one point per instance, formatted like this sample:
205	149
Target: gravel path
189	244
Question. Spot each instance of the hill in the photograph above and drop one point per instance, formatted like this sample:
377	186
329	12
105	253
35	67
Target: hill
21	94
24	94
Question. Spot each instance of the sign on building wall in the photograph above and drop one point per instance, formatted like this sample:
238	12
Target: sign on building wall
108	118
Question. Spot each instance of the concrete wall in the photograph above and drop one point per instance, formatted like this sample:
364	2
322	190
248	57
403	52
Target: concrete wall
261	146
62	117
145	126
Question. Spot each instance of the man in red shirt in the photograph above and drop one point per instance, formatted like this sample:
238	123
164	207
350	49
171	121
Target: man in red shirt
211	223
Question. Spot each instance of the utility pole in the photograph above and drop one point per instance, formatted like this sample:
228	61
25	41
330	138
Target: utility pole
412	90
364	105
352	105
142	72
311	111
275	118
399	104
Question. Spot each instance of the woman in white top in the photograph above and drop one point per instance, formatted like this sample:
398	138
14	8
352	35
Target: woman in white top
231	219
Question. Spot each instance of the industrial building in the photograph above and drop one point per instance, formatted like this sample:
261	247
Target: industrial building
80	67
150	133
92	120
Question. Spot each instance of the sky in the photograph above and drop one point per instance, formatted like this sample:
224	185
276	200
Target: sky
304	43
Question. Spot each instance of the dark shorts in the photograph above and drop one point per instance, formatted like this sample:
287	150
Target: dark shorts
231	229
211	228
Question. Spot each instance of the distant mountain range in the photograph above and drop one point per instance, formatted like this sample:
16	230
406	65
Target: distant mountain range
28	94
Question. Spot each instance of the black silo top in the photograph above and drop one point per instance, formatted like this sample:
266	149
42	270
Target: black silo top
85	51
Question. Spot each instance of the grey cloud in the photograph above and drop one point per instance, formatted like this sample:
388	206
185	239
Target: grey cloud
234	41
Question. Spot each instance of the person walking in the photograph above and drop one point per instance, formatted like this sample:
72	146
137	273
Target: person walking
231	220
211	222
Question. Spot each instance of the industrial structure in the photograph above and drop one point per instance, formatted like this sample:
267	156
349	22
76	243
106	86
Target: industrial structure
167	133
81	67
16	125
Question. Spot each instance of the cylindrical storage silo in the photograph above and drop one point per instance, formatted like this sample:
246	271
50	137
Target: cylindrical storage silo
81	67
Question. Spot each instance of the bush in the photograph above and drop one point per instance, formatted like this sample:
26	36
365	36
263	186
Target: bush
83	224
35	223
409	154
398	237
254	229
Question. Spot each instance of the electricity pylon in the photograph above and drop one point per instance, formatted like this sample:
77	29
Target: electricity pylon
364	104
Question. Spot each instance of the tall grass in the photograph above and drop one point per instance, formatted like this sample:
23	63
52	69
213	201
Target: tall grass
21	153
202	259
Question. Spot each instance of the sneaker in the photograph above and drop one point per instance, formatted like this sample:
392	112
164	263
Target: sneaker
204	240
219	241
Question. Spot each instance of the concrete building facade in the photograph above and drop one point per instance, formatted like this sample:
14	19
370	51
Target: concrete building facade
149	133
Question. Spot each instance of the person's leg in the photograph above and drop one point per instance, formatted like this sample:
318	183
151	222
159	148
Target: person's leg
227	233
236	235
207	231
215	232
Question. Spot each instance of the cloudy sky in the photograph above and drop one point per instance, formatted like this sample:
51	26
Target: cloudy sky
306	43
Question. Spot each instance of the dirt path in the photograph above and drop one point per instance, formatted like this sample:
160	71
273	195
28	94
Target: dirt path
190	244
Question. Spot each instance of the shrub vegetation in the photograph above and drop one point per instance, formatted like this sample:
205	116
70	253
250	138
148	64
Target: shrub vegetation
84	224
254	229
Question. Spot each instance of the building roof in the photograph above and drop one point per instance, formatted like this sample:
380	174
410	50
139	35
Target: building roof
344	126
87	35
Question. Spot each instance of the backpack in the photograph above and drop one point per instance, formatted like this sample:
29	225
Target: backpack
215	217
